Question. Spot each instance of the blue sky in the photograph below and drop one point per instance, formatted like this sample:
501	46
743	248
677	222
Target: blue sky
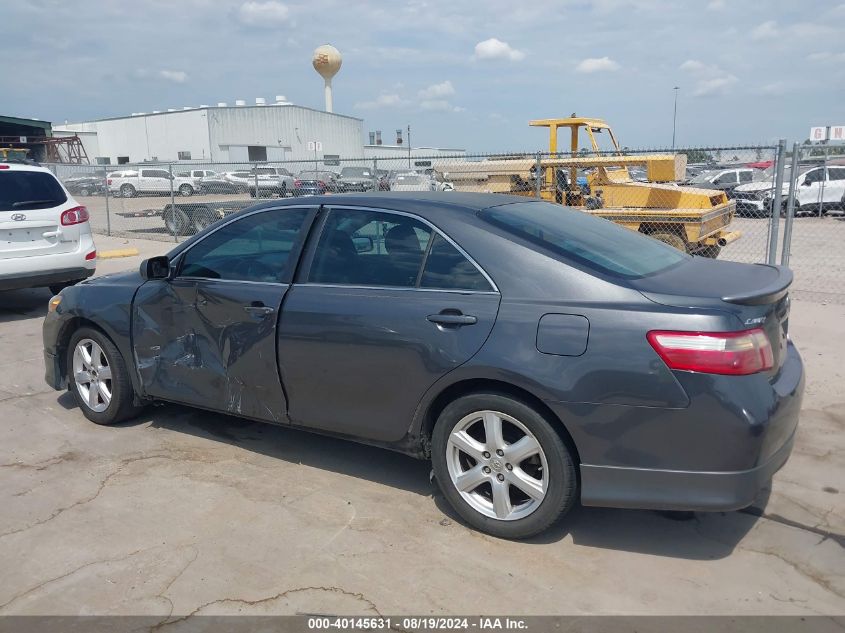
462	74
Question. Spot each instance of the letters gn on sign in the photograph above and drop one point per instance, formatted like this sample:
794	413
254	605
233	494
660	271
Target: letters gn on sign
821	133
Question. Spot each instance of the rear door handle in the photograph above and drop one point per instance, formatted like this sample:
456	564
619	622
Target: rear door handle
452	319
259	309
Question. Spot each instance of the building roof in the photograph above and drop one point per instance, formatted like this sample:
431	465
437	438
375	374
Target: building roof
13	120
194	109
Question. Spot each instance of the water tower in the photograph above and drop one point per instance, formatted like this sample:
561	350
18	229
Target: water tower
327	61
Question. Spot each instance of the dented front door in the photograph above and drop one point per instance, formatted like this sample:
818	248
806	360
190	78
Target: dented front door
211	343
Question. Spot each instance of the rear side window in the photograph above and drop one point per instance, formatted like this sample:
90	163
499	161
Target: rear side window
446	268
577	236
21	190
836	173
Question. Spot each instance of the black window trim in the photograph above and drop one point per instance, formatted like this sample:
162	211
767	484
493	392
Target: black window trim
293	258
302	277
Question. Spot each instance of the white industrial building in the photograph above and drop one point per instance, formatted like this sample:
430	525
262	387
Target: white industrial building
227	134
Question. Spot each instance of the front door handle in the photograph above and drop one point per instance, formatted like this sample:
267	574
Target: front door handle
259	309
452	319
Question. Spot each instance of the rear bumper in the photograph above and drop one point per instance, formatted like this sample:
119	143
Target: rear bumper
41	279
614	487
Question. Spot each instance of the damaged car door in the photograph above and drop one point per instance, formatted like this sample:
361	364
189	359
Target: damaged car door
206	336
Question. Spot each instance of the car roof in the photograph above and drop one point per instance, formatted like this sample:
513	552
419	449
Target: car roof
16	166
411	201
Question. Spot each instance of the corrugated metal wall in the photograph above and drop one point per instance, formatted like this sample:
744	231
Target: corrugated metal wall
282	127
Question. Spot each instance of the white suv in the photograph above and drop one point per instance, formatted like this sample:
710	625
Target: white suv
45	238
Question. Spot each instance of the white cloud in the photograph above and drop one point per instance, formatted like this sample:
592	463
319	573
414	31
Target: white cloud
765	31
497	49
827	57
437	91
775	88
714	86
176	76
596	65
440	105
270	13
384	100
716	5
710	79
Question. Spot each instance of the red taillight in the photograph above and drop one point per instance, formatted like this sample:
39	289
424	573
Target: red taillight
733	353
77	215
91	255
4	167
321	183
108	182
297	183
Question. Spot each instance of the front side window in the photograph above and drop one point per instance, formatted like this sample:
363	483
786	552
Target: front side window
746	175
584	239
813	176
728	178
254	248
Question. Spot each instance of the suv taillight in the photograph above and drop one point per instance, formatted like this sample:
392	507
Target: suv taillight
77	215
297	183
732	353
108	181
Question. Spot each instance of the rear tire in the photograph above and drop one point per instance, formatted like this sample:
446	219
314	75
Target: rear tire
672	239
202	219
176	220
521	452
104	391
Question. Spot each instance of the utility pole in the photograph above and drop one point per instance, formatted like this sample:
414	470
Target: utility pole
674	116
409	146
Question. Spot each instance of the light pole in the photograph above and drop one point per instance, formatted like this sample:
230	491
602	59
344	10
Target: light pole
674	116
409	146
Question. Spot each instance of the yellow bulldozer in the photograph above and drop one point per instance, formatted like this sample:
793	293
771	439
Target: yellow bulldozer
693	220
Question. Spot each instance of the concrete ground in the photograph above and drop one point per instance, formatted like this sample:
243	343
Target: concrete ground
182	511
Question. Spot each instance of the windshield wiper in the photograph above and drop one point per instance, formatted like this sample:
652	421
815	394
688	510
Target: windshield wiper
25	203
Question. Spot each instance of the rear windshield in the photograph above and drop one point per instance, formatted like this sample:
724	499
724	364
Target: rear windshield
29	190
596	243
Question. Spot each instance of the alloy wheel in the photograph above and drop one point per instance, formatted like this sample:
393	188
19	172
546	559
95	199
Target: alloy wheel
92	375
497	465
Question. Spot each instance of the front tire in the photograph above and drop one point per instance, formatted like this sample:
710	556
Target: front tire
127	191
186	190
176	220
502	466
98	378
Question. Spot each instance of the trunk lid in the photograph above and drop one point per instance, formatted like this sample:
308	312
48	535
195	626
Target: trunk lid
757	294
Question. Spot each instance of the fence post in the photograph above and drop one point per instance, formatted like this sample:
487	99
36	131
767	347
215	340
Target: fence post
255	173
790	208
539	175
777	200
173	205
375	175
108	210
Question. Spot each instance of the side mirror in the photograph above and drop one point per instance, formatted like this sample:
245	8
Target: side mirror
363	244
806	183
155	268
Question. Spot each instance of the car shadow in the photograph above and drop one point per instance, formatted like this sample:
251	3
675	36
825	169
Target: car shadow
692	536
19	305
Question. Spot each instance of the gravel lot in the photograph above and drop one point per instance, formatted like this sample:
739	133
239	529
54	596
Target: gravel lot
182	511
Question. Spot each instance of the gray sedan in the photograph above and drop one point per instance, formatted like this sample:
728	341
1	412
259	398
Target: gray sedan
537	355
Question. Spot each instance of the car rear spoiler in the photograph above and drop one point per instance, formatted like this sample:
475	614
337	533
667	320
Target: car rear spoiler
770	293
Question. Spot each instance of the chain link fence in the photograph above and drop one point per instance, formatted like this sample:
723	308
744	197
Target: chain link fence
712	202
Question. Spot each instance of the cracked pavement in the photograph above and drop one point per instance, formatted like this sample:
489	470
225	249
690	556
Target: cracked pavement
183	512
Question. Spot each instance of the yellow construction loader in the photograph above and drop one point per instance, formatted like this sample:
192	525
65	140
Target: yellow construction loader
693	220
